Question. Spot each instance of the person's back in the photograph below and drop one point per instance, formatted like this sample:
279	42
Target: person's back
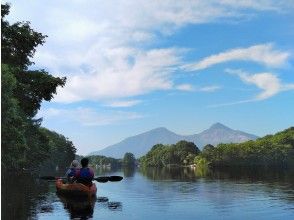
85	175
71	172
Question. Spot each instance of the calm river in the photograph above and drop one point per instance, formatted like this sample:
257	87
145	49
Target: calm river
158	194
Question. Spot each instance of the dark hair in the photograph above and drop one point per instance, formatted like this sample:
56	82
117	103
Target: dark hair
85	162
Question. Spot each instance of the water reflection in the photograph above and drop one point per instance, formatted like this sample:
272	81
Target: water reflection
221	186
129	171
169	173
21	196
153	193
80	208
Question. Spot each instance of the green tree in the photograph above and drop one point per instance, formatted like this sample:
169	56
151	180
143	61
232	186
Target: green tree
18	41
23	90
129	159
268	151
18	45
13	122
181	153
61	151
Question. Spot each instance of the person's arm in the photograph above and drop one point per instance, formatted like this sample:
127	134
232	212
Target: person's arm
92	173
67	172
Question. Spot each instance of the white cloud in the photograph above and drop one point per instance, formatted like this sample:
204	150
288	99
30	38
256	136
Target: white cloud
185	87
191	88
209	88
118	104
231	103
258	5
263	53
88	116
101	45
146	72
269	83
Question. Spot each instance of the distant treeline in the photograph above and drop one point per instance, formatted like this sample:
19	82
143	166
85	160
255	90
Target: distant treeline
25	144
128	160
270	151
181	153
103	161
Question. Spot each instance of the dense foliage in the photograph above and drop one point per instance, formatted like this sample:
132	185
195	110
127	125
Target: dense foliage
62	151
24	143
181	153
129	160
270	151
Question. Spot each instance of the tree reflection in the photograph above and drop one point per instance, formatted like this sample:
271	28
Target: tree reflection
129	171
81	208
22	196
169	173
224	179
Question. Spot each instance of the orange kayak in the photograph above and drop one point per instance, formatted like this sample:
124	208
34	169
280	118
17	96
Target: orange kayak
75	189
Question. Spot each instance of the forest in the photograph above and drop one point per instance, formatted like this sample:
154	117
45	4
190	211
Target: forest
26	145
128	160
270	151
181	153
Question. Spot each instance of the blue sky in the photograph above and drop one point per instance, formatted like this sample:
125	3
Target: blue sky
132	66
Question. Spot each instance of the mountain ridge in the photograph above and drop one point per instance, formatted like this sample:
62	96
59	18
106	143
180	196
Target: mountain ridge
141	143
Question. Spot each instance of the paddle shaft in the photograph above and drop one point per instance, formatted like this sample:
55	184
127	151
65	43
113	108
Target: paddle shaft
100	179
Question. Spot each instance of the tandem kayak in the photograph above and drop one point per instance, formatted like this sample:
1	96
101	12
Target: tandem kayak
75	189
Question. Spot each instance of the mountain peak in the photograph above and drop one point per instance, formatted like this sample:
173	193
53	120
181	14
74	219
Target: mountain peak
157	130
218	126
160	129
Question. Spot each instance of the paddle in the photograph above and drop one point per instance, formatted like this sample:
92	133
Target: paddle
104	179
100	179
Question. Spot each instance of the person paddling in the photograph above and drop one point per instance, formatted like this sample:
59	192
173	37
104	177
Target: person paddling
71	172
85	175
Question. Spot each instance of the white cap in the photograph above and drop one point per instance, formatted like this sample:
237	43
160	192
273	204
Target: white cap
75	163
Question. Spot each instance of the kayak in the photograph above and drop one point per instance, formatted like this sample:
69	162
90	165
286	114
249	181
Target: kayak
75	189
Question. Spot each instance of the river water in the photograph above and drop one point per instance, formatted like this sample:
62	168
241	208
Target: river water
175	193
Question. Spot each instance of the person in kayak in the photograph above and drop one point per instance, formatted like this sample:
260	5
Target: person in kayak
71	172
85	175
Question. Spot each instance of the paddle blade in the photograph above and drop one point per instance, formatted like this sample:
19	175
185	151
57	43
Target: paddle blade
101	179
104	179
115	178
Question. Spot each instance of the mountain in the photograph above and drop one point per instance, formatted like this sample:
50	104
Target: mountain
140	144
219	133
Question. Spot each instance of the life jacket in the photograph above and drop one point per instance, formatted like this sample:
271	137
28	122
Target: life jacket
85	176
72	172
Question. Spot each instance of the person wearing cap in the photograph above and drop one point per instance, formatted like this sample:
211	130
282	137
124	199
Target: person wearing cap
71	172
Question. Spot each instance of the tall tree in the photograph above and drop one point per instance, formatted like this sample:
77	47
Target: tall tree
18	41
129	159
23	90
